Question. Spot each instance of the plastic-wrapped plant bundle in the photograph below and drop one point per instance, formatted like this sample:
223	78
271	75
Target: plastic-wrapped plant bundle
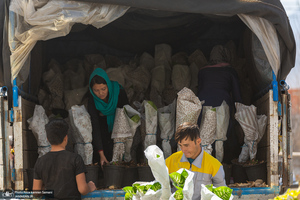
208	128
82	129
120	132
183	181
188	107
181	77
134	119
253	127
37	125
209	192
151	123
159	169
222	126
143	191
166	121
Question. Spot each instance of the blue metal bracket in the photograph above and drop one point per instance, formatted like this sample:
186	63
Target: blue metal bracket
15	93
11	115
279	109
275	87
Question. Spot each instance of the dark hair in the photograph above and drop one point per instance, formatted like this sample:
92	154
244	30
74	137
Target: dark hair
97	79
56	130
187	130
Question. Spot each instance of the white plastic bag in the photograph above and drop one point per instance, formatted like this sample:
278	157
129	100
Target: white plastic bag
166	121
223	115
37	124
188	107
82	126
150	194
159	169
181	77
208	128
188	188
151	123
134	119
246	116
120	132
206	194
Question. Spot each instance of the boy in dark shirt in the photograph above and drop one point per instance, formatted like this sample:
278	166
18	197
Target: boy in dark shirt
60	170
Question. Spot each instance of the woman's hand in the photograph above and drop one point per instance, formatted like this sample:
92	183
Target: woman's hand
103	159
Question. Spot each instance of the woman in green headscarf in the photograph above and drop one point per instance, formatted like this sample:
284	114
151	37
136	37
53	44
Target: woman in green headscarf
106	96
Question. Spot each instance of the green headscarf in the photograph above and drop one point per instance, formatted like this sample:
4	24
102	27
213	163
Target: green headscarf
109	108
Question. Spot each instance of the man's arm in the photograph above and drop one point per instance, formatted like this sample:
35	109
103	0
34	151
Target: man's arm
84	187
219	178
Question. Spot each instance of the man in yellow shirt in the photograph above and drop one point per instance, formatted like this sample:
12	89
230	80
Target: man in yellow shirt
206	168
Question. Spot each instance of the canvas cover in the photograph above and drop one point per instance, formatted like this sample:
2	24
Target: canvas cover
167	17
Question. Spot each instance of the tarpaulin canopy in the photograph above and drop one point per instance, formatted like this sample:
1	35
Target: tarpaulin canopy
178	22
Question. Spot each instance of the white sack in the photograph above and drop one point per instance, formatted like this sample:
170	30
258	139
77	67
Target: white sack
37	124
118	149
159	169
121	127
188	188
74	97
82	126
246	116
206	194
158	78
147	60
208	128
150	194
188	107
116	74
181	77
223	116
166	122
151	123
134	123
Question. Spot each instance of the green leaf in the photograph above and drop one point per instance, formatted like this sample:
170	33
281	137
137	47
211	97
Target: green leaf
209	187
178	195
156	186
223	192
152	104
184	173
128	189
135	187
128	196
135	118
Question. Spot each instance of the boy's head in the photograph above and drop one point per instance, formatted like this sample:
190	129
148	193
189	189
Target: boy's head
56	130
188	138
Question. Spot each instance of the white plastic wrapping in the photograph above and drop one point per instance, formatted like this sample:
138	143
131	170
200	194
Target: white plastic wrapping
246	116
223	116
151	123
206	194
52	19
37	124
120	132
150	194
166	122
208	128
121	127
188	107
188	188
118	149
159	169
131	112
82	129
181	77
